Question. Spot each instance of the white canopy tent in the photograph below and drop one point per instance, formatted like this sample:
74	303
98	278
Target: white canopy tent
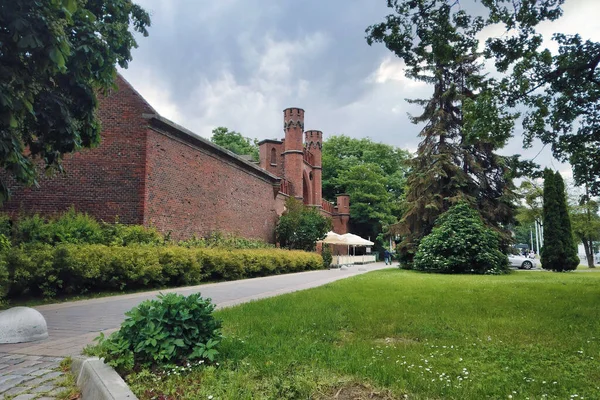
333	238
350	239
355	240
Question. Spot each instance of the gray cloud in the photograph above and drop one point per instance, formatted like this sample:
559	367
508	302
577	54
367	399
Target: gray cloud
238	63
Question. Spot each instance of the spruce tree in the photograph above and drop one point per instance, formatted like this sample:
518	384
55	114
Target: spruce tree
456	158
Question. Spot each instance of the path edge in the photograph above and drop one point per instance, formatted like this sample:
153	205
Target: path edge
99	381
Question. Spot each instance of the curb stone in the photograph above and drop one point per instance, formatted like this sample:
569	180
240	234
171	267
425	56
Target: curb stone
98	381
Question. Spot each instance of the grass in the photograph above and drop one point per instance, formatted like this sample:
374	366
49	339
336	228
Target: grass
402	334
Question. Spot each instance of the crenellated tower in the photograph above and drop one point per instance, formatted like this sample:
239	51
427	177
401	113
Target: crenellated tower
293	126
313	144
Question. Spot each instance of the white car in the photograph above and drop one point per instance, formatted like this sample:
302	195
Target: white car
522	262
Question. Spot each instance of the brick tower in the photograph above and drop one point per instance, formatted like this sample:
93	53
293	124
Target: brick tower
293	126
313	143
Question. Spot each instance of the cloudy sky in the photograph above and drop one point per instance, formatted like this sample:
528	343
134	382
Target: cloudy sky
239	63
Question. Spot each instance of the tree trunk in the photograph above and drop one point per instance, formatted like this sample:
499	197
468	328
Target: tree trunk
588	245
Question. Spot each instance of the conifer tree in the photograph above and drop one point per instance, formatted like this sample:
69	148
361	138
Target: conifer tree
559	252
456	158
571	259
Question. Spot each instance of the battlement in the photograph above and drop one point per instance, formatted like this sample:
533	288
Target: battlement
293	118
313	139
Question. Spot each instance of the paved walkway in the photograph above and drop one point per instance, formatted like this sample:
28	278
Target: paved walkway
71	326
29	377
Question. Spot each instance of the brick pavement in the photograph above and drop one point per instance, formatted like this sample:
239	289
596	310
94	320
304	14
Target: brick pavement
26	377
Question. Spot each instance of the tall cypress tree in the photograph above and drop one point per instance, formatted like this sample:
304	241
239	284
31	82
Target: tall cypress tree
552	248
559	252
571	259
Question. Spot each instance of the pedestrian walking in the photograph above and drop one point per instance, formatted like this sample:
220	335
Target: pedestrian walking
387	257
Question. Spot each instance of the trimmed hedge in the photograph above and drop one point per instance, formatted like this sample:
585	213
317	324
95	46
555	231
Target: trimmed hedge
47	271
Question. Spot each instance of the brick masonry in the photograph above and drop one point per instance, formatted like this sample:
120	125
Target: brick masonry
192	190
107	181
148	170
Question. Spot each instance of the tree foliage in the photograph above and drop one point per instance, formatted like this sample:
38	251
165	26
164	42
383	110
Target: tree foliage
560	90
464	122
300	227
373	174
55	55
586	226
235	142
559	252
460	243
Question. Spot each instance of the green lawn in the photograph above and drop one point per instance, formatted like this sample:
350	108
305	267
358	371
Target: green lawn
529	335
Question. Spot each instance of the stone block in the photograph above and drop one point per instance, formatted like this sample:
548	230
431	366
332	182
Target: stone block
22	324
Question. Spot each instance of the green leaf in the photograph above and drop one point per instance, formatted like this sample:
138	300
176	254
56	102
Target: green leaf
57	57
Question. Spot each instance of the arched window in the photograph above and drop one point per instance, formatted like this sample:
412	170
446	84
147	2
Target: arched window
273	156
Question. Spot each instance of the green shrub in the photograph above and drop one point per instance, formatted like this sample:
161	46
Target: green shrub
5	225
126	235
42	270
300	227
4	281
229	241
32	271
460	243
4	277
32	229
85	268
69	227
180	266
170	330
327	257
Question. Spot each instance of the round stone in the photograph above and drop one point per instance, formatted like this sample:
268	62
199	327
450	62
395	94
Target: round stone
22	324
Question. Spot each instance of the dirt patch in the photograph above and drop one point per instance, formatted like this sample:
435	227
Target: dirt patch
357	391
395	340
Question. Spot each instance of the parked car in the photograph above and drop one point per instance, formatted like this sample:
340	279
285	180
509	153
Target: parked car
522	262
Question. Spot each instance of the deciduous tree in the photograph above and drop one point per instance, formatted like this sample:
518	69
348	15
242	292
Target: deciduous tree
374	174
235	142
586	226
300	227
55	55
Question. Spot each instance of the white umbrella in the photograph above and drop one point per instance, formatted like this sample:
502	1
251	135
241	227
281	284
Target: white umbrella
333	238
355	240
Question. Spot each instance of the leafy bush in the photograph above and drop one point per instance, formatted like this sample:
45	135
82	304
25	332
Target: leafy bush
461	243
4	281
229	241
70	227
300	227
5	225
180	266
170	330
77	228
32	271
42	270
327	257
126	235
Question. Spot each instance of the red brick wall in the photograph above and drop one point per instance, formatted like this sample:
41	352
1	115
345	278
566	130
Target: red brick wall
105	181
193	190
